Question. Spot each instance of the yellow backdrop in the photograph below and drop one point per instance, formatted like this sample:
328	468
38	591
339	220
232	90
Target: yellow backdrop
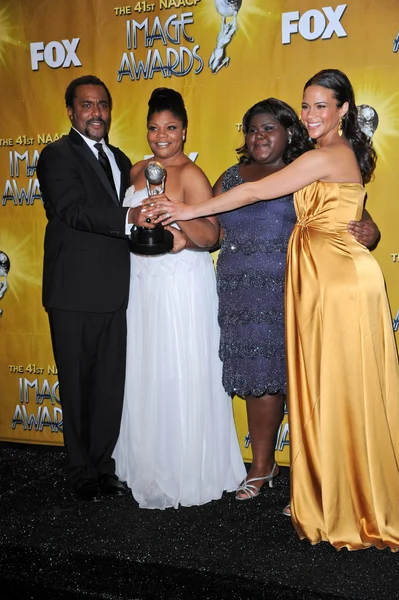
221	67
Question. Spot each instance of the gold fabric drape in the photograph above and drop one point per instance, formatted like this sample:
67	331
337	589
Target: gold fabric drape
343	378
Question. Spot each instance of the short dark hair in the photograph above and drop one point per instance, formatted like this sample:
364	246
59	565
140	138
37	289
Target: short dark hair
70	92
287	117
167	99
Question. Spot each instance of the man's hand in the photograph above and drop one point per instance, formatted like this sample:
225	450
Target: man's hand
365	232
136	217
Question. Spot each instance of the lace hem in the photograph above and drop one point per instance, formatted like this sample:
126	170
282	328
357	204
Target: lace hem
240	385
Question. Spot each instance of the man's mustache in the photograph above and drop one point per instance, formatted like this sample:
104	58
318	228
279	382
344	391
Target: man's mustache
95	120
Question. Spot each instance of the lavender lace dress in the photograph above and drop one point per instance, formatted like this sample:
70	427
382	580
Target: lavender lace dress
250	276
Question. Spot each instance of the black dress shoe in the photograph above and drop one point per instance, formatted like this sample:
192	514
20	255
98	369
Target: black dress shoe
111	485
87	490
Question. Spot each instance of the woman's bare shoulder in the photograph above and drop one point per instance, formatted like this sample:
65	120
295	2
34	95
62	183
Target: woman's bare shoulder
139	166
342	163
190	170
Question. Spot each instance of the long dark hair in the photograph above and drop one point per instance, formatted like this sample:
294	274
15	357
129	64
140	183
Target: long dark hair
342	89
167	99
287	117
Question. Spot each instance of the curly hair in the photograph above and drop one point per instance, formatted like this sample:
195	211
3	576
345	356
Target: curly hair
342	89
167	99
287	117
84	80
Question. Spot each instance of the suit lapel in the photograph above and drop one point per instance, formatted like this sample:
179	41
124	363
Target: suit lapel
87	154
125	175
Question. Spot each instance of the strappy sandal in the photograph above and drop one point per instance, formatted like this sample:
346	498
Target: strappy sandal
287	510
252	491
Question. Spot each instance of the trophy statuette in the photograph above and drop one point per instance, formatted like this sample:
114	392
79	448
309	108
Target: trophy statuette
156	240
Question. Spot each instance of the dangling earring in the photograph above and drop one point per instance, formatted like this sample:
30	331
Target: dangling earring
340	127
184	137
289	136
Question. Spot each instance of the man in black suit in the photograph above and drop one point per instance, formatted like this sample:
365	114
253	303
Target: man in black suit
86	282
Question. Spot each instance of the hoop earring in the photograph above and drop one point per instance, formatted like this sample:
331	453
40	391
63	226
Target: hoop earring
340	127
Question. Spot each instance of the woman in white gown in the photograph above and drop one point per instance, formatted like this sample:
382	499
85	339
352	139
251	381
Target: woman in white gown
177	444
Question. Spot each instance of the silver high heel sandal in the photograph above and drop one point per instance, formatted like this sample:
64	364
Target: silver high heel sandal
252	491
287	510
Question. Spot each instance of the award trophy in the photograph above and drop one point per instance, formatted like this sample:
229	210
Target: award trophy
4	269
157	240
368	119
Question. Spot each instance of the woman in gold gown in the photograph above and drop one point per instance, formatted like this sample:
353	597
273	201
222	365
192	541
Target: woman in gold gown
343	368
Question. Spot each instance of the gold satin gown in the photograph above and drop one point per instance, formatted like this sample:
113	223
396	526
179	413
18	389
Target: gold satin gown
343	378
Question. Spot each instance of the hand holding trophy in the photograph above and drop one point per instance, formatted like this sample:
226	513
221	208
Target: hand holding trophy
156	240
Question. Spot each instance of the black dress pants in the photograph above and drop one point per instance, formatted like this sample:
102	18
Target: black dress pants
90	353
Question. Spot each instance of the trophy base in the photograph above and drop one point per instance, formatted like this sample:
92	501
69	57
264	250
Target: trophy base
150	246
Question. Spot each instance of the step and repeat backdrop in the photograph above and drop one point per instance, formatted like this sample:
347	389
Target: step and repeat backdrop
223	56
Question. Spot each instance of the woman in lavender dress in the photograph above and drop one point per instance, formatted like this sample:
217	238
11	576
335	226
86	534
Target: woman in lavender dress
250	274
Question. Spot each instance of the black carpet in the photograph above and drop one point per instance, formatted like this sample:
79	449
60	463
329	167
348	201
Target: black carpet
52	547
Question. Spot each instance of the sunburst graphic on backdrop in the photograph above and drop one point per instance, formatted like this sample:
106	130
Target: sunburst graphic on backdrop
248	14
251	11
233	17
121	133
387	108
6	34
25	269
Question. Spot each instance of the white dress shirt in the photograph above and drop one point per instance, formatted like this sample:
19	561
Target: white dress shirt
115	170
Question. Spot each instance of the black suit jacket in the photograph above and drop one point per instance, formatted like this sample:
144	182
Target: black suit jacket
86	251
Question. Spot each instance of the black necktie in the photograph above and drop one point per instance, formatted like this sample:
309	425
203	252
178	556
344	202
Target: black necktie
106	165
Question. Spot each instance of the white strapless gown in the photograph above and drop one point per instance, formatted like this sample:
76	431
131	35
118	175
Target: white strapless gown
178	443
